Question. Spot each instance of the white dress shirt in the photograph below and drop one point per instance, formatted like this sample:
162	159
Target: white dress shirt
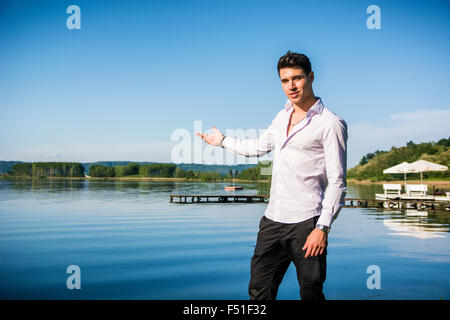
313	157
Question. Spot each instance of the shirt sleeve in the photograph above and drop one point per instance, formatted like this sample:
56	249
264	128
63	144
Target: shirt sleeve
251	147
335	149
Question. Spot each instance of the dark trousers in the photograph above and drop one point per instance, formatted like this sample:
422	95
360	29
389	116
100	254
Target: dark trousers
277	245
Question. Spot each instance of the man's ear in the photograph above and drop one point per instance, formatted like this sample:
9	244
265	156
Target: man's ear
311	76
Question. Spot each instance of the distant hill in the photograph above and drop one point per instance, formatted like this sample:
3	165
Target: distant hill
5	166
372	165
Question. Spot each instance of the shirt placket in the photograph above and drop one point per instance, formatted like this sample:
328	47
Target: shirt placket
307	120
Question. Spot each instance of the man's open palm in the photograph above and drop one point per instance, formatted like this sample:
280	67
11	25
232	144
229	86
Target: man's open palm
214	138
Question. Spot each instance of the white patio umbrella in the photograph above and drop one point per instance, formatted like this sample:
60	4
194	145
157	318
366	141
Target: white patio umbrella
399	168
425	166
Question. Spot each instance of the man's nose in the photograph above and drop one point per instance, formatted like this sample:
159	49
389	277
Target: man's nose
292	85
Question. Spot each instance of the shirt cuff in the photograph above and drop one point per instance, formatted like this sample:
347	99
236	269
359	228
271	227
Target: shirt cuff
325	219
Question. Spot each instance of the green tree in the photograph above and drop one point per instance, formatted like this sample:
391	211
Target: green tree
21	169
97	170
57	169
179	173
118	171
130	169
444	142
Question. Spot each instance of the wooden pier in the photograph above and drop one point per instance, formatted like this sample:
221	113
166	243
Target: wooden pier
182	198
418	204
398	204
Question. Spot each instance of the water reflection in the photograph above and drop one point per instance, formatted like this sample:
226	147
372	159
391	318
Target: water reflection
48	185
363	191
127	186
416	224
411	223
135	244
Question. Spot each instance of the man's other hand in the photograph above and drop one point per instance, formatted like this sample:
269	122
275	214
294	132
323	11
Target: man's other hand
214	139
315	243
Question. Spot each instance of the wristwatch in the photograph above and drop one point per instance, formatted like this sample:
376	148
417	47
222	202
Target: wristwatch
221	142
323	228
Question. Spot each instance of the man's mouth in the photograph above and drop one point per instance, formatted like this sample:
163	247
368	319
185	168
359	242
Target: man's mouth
294	94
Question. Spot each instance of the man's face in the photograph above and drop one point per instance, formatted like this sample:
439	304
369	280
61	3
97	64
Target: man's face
296	84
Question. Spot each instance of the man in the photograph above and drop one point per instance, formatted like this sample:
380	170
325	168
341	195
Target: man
310	152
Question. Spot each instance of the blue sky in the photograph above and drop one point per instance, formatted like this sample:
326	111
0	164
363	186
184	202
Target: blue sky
138	70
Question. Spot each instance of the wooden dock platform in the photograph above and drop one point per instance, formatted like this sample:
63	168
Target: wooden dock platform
198	198
418	204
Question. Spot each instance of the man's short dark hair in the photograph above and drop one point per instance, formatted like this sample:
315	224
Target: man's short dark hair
294	60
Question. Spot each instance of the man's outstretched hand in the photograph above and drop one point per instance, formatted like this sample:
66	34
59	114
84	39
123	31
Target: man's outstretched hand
315	243
214	139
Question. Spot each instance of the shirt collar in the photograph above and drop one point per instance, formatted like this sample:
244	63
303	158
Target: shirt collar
316	107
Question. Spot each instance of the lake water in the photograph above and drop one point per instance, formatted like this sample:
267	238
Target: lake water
130	242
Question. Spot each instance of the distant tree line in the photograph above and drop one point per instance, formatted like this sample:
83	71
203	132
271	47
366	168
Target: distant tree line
173	171
198	175
48	169
165	170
